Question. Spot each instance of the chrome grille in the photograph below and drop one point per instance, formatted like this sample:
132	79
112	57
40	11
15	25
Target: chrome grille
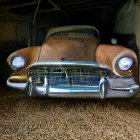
68	76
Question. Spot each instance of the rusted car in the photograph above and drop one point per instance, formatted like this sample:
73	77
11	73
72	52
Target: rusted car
72	63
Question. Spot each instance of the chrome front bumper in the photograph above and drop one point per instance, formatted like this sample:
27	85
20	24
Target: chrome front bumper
104	89
102	92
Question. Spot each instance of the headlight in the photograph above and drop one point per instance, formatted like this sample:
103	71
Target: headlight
125	63
18	62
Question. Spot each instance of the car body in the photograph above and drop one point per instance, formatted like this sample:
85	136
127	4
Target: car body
72	63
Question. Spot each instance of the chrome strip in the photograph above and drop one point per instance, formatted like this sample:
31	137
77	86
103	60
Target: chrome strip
109	94
72	90
21	86
134	87
69	63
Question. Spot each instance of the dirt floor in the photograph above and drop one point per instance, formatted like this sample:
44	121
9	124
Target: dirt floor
23	118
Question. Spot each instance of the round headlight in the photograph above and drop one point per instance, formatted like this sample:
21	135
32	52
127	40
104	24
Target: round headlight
125	63
18	62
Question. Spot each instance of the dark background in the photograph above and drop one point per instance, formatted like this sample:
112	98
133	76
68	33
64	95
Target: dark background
24	23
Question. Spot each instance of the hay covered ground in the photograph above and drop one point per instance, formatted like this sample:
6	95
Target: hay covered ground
24	118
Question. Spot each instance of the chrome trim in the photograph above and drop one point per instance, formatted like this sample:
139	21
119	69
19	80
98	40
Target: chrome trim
73	90
109	94
29	87
21	86
42	89
103	87
70	63
134	87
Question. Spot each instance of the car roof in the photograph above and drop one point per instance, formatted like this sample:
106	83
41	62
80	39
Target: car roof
73	29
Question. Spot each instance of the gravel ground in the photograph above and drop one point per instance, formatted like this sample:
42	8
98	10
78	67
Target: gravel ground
24	118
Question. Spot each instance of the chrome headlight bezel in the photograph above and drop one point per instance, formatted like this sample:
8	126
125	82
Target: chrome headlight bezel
125	63
22	65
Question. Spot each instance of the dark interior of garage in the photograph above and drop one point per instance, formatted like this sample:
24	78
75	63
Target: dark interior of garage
25	23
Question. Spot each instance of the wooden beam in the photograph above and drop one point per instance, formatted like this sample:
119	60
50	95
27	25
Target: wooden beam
19	5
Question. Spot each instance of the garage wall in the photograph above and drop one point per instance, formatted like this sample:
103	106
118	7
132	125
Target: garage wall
128	20
13	36
137	22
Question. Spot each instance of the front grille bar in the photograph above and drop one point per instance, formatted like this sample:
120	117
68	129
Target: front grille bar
68	76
